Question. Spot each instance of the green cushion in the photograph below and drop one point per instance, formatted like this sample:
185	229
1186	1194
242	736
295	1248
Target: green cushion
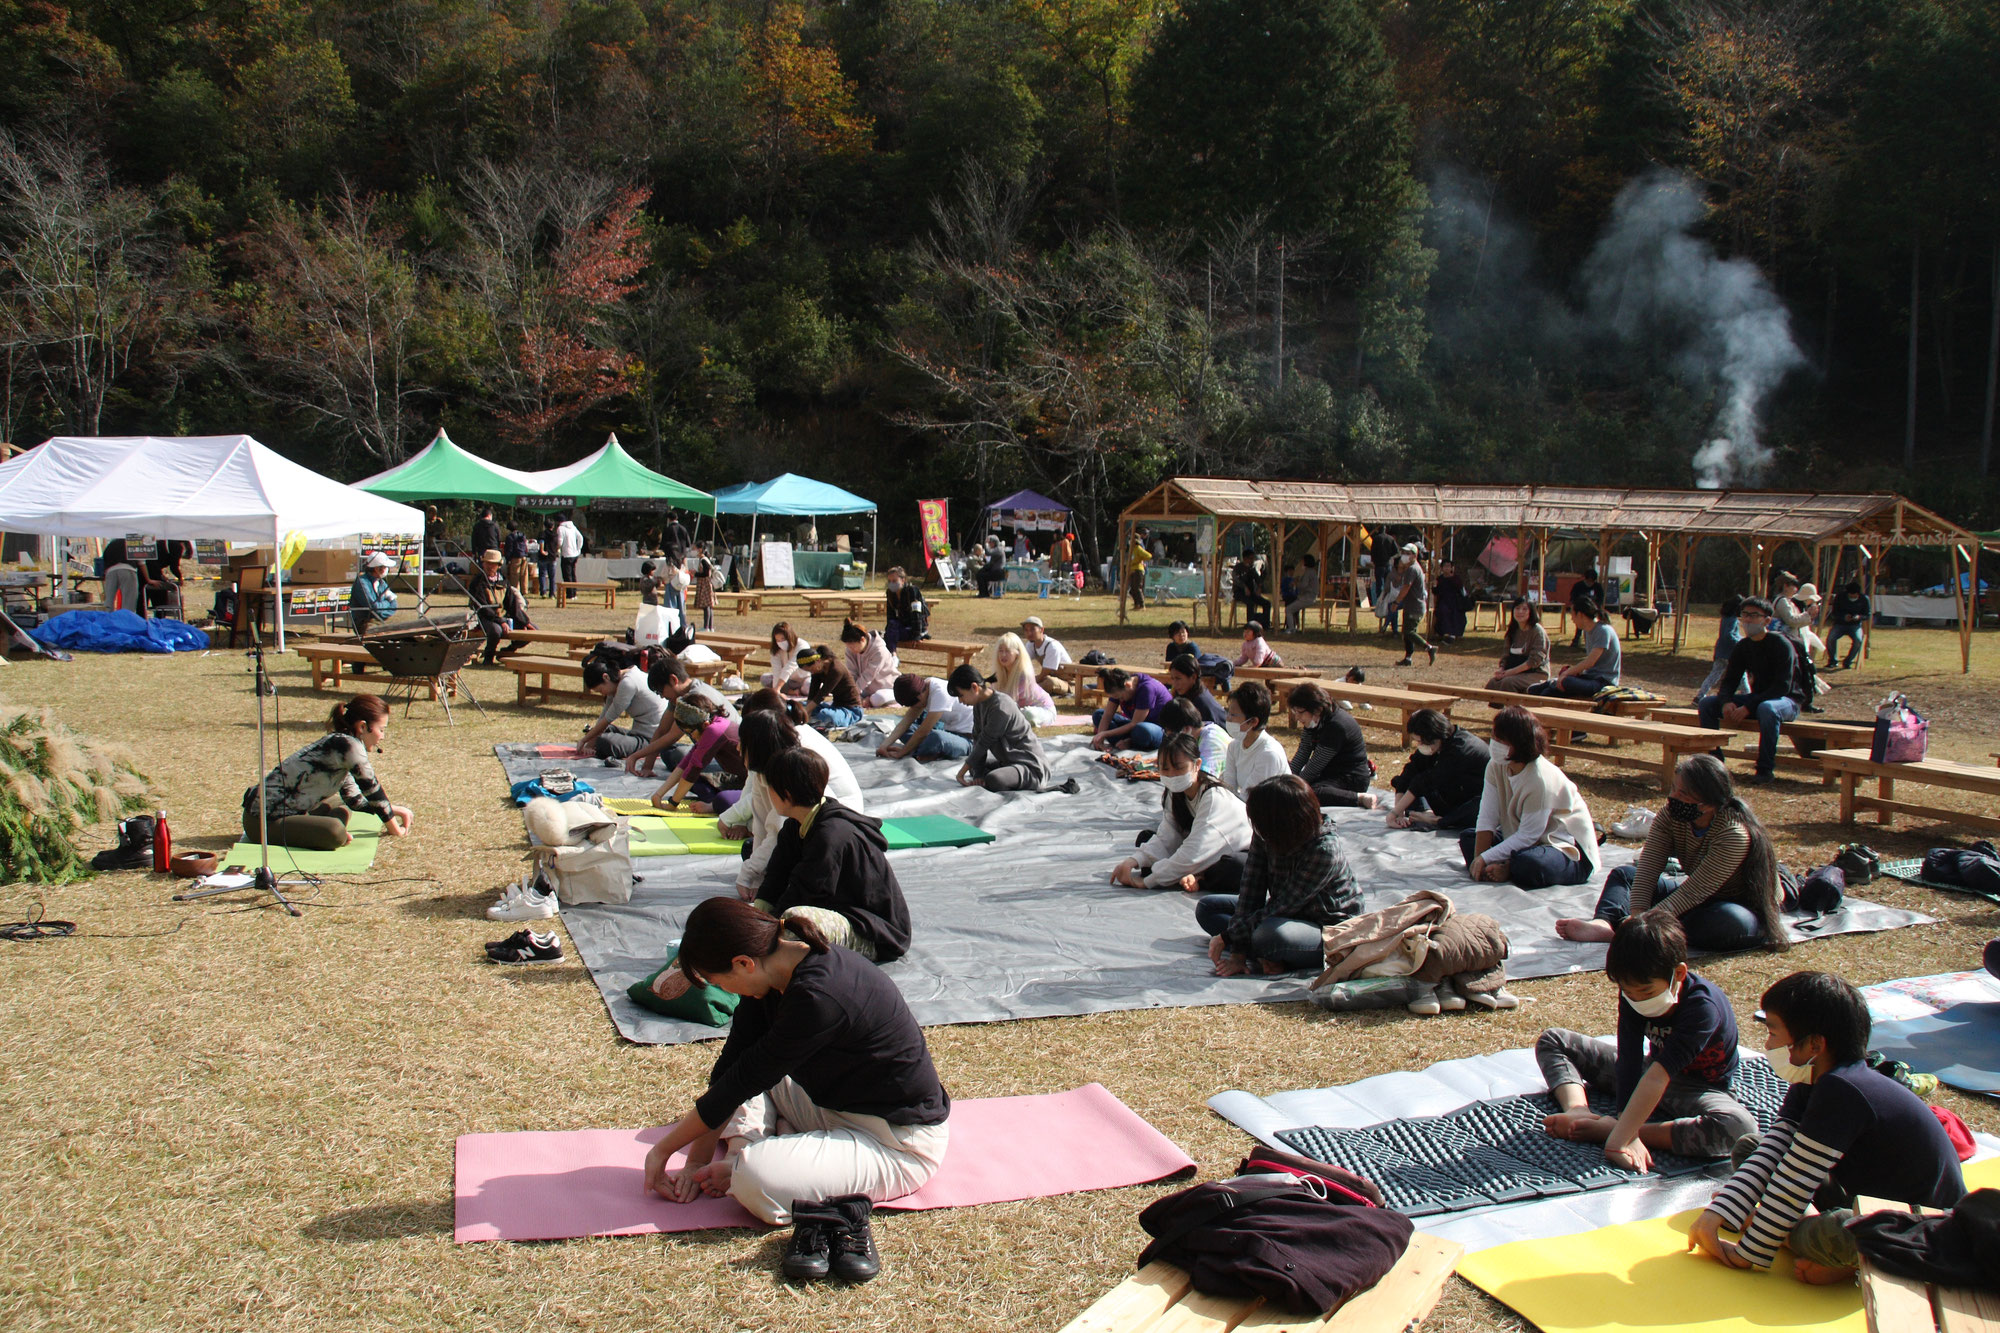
931	831
701	1004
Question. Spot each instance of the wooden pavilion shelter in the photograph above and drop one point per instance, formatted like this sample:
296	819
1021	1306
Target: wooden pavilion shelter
1672	523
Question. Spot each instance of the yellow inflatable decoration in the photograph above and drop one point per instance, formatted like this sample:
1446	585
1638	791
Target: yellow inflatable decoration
293	547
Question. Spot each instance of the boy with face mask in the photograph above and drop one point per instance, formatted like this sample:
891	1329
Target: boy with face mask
1759	685
1676	1054
1844	1131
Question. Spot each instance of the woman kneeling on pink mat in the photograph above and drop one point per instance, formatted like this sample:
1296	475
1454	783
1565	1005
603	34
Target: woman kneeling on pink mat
823	1098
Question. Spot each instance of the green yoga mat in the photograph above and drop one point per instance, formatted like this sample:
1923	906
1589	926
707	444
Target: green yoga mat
931	831
352	859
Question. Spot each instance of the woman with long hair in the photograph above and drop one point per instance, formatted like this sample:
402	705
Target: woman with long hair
823	1091
1014	676
1524	660
307	797
785	675
1533	828
1727	896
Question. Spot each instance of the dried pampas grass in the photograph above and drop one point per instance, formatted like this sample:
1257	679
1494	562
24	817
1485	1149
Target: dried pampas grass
53	783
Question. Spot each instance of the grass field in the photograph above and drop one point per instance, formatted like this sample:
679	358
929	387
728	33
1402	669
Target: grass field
219	1117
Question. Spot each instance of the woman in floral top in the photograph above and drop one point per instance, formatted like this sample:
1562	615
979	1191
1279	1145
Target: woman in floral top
307	797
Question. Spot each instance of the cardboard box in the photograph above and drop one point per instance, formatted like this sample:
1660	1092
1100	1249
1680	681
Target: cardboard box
252	555
322	569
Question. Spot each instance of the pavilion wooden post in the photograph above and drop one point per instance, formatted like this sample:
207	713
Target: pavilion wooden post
1868	639
1353	578
1521	561
1222	531
1542	565
1319	577
1118	558
1972	621
1685	570
1964	595
1278	583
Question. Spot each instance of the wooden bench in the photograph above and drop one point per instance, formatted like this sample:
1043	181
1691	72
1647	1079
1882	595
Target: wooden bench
1905	1305
953	651
1850	766
738	603
1817	735
1406	703
851	604
329	660
1161	1298
548	668
1564	725
566	592
1501	698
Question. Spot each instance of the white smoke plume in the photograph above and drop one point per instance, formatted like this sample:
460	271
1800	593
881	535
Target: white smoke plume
1649	275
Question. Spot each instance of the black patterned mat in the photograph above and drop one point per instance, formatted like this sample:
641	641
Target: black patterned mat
1497	1152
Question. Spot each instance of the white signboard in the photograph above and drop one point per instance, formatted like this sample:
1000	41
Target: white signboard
777	559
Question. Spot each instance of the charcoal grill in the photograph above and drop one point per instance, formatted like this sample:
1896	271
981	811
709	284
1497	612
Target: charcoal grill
427	659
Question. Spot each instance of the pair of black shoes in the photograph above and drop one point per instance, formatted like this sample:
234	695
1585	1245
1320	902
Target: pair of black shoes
832	1238
135	846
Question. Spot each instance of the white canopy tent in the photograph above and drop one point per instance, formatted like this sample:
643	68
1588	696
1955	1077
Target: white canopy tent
178	488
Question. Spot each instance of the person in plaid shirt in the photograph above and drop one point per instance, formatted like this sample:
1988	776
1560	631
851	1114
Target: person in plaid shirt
1296	882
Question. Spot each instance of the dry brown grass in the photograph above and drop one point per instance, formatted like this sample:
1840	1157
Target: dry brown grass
222	1118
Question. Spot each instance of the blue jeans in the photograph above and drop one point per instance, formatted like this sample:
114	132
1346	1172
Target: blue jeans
1542	866
831	716
545	569
940	744
1771	715
1292	944
1718	927
1143	736
1839	632
1578	686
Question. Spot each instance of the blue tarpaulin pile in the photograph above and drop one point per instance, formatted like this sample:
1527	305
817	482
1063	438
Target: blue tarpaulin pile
118	632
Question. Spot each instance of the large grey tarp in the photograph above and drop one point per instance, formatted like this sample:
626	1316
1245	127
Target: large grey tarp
1027	926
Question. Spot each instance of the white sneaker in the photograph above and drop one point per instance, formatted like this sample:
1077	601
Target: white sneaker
1425	1000
1499	999
529	906
507	897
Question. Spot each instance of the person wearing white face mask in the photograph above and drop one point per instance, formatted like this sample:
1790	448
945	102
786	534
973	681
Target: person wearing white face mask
1441	786
1204	832
1843	1131
1253	754
1676	1056
1760	684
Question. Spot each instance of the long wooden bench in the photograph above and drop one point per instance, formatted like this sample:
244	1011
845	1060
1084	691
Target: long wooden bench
1564	725
329	660
1808	736
566	592
1851	766
548	668
851	604
953	651
1406	703
738	603
1502	698
1161	1298
1904	1305
568	638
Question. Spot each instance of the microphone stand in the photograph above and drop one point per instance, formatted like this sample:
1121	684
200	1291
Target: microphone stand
262	880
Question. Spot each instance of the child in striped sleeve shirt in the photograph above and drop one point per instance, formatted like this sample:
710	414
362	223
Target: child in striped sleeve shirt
1844	1131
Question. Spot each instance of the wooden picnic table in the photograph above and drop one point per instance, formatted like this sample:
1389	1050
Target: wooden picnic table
568	638
852	604
738	603
329	661
1851	766
566	592
548	668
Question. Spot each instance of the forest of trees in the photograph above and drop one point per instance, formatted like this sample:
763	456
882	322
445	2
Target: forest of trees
951	249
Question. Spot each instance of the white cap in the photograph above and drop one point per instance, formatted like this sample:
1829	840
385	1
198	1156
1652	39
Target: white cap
1036	621
376	560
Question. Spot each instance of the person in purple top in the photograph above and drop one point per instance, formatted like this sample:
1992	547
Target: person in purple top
1133	724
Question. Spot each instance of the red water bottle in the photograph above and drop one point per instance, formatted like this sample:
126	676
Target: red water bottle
163	842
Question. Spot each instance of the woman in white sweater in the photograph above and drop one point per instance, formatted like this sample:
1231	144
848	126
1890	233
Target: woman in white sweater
764	733
1204	833
1534	828
786	675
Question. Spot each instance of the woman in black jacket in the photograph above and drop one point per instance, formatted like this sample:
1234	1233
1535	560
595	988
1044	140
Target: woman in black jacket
829	863
1441	785
1332	755
824	1090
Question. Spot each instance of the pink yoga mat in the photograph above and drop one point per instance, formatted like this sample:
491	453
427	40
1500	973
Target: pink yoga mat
557	1185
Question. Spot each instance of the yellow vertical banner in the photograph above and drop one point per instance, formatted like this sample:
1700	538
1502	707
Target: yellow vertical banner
934	517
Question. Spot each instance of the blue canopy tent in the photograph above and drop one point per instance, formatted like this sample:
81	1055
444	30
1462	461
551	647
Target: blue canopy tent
797	497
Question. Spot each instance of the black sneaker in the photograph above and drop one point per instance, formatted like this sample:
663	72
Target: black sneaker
525	946
809	1257
855	1258
135	847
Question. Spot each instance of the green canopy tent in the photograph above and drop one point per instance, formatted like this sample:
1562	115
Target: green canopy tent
446	472
614	475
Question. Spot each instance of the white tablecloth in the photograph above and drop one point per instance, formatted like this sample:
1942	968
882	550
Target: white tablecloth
1917	608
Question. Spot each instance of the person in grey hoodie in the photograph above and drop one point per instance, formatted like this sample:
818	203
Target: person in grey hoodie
1006	753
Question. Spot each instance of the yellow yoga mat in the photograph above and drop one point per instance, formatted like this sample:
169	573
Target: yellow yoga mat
1641	1276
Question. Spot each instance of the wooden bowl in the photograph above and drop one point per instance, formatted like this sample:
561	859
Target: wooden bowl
192	865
